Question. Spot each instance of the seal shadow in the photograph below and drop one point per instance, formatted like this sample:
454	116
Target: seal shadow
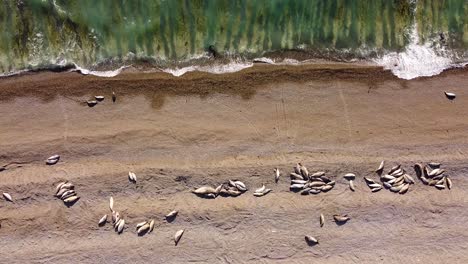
204	196
143	233
310	243
340	223
171	219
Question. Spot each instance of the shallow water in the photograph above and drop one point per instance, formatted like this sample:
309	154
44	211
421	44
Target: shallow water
109	34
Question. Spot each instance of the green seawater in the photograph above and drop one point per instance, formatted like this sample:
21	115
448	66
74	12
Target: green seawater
38	33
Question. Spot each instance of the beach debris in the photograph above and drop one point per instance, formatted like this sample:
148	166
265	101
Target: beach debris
341	219
99	98
103	220
450	95
277	174
178	236
7	197
52	160
114	97
351	185
433	175
311	240
309	183
322	220
261	191
132	177
379	170
172	214
91	103
65	191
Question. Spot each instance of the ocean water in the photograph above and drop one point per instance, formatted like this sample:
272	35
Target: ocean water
410	38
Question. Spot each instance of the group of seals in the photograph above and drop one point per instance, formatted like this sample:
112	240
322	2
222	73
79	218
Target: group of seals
339	220
117	220
306	183
66	192
145	227
97	98
433	175
397	180
350	177
231	188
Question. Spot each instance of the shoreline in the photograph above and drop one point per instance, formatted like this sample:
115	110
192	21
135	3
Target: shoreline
179	133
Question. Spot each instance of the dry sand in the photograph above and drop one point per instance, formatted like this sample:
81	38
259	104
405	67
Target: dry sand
180	133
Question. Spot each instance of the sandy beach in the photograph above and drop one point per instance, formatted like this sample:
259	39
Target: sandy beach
179	133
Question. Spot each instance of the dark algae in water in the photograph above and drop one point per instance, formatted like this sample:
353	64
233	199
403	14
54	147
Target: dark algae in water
40	33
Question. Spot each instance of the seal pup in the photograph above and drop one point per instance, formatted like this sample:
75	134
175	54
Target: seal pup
418	168
111	204
7	197
204	190
304	171
151	226
261	189
172	214
178	236
114	97
143	229
311	240
132	177
59	186
120	226
322	220
394	168
262	193
297	168
317	174
71	199
52	160
448	181
103	220
341	218
350	176
381	167
351	186
277	174
91	103
450	96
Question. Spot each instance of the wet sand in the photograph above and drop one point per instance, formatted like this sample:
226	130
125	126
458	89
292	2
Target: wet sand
180	133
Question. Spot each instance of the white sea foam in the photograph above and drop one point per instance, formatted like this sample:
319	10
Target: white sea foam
107	74
417	60
214	68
